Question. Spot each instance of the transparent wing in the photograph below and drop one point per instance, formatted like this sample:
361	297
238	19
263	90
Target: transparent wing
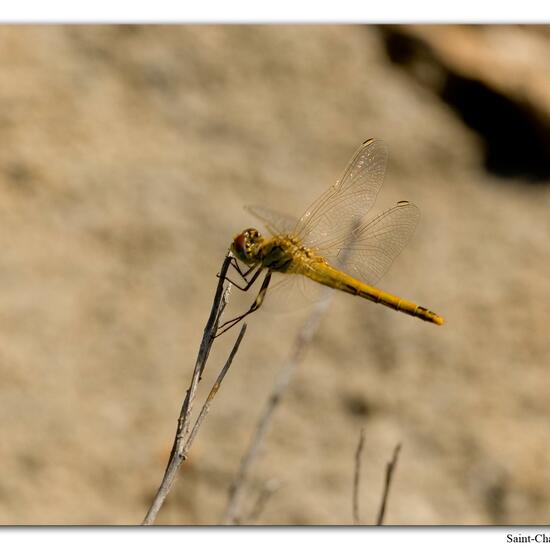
332	217
291	293
332	226
369	251
275	222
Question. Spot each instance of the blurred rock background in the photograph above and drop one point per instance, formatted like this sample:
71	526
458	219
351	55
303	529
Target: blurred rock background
126	155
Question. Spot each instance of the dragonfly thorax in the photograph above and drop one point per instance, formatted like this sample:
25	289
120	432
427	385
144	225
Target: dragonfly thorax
246	245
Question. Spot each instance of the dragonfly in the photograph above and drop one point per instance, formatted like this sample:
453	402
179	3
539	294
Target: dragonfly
331	243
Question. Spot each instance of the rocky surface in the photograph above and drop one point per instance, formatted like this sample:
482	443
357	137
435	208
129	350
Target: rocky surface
127	155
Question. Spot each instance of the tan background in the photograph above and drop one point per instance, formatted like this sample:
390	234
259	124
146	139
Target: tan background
126	156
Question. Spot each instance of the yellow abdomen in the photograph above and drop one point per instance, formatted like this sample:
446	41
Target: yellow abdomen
327	275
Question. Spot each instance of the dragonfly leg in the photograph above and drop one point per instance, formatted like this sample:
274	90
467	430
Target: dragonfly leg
254	307
237	268
244	276
235	264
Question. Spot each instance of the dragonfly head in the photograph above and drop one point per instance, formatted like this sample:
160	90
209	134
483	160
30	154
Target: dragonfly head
245	246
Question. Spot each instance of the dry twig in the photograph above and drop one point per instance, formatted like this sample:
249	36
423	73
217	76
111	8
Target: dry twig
184	438
357	476
270	487
301	343
390	467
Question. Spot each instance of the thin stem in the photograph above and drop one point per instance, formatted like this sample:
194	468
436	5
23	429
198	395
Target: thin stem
213	392
301	343
182	442
390	467
265	494
357	477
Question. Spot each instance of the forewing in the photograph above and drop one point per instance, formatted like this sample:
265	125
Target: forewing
275	222
372	247
332	217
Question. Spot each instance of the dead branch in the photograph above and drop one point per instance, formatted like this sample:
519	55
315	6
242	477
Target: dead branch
183	439
357	476
390	467
305	336
270	487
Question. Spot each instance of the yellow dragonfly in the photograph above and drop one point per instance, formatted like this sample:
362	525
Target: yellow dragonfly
331	244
